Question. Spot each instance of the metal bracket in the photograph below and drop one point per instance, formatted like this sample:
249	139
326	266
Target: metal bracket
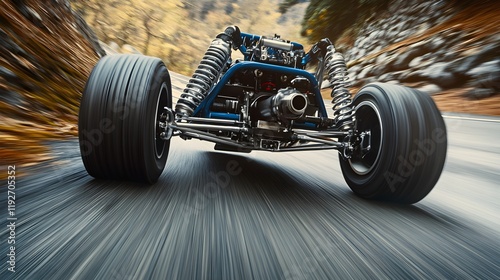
272	145
360	143
166	121
365	142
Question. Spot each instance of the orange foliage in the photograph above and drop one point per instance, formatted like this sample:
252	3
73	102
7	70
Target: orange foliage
50	61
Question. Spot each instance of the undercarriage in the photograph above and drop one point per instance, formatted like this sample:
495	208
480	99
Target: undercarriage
391	139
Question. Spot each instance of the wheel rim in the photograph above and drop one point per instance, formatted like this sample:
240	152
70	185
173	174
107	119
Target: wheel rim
368	118
160	104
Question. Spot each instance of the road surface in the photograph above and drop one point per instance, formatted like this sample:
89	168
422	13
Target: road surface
216	215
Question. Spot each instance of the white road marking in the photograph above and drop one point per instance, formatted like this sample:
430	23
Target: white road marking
472	119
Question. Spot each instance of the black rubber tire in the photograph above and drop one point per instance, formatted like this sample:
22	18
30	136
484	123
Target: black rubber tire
408	147
118	119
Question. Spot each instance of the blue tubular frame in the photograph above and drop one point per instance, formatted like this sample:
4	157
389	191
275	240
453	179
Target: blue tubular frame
203	110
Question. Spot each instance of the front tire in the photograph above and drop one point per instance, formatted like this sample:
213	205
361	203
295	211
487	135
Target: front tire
118	128
408	144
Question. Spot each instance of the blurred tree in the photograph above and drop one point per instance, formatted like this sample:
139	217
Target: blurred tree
330	18
126	30
287	4
149	18
96	12
190	7
229	8
206	8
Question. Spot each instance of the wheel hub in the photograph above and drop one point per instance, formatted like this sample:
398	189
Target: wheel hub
165	123
158	129
366	147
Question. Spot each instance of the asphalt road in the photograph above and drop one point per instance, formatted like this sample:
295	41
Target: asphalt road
216	215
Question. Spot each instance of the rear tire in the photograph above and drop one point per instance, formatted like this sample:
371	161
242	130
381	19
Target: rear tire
118	119
408	144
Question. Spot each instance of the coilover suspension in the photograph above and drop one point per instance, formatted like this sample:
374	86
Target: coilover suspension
208	72
343	112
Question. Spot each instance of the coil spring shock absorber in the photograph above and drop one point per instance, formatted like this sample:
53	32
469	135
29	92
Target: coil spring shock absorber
343	113
208	72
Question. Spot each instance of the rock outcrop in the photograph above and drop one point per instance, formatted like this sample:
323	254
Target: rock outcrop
433	45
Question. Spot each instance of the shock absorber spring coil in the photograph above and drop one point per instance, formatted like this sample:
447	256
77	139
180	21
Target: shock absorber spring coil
343	113
204	78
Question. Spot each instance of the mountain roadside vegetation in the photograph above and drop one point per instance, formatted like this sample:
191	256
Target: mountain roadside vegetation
179	32
48	49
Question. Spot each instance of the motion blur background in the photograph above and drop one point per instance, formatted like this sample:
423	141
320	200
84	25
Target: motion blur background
450	49
285	215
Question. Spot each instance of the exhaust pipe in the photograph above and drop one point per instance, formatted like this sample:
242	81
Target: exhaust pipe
288	104
292	106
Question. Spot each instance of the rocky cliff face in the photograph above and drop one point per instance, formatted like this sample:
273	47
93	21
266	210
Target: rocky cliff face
46	55
432	45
